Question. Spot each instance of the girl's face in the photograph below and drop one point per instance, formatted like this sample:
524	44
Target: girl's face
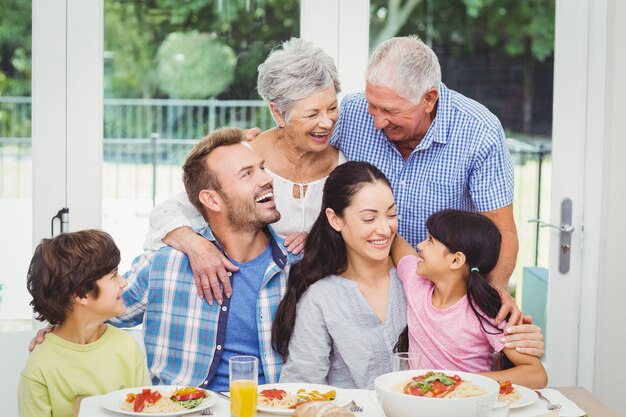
434	258
369	224
109	302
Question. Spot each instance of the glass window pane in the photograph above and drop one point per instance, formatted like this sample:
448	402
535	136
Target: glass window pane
173	72
15	164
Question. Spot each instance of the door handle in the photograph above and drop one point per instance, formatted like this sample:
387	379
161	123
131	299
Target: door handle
565	233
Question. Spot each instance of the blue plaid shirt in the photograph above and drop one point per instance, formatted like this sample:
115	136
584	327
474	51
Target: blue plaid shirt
184	335
462	162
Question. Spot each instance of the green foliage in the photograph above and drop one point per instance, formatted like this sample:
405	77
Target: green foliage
515	25
134	31
15	48
464	26
194	65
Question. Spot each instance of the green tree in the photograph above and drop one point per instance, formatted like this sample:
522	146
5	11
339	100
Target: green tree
194	65
15	48
250	28
462	27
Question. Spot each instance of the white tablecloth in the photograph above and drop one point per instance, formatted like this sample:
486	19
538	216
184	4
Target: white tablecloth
90	407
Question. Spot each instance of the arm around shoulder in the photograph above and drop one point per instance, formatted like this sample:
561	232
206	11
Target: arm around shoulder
528	371
504	221
167	216
401	248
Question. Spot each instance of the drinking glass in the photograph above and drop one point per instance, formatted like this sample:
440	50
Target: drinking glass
405	361
492	408
244	372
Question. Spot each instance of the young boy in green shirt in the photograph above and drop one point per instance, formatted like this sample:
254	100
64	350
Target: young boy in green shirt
75	285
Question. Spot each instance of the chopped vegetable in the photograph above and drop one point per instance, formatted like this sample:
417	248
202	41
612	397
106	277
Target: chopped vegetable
189	397
432	384
145	396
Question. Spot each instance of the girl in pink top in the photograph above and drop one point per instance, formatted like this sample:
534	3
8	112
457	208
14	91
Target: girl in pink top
451	306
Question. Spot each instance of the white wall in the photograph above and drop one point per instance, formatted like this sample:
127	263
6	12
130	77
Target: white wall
610	361
341	28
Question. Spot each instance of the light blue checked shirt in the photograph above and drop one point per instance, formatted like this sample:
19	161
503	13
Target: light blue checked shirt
183	334
461	163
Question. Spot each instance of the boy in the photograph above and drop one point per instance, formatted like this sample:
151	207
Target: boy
75	285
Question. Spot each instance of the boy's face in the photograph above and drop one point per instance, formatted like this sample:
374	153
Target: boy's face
109	302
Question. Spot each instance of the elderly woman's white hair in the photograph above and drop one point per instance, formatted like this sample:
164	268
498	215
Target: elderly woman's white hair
295	70
406	65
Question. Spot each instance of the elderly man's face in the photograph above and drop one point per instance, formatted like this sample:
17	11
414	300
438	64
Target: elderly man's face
396	116
248	194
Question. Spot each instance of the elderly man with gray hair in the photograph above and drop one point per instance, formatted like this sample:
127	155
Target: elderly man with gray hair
438	148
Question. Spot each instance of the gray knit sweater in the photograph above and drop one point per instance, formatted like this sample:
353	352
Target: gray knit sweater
338	339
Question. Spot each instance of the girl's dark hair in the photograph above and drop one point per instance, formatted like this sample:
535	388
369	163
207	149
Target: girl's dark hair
478	238
324	251
66	266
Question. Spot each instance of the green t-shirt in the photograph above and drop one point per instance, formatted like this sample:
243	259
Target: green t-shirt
58	371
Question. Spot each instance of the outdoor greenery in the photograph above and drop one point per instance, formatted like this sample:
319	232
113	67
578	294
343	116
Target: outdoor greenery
493	37
136	32
15	47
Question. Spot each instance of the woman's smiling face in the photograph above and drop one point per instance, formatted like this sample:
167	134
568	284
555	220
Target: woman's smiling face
370	223
311	120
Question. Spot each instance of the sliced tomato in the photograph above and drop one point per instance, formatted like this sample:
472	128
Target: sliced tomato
274	394
506	387
139	403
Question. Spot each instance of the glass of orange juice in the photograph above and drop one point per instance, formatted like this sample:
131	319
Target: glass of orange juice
244	372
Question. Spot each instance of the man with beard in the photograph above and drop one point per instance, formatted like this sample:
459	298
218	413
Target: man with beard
189	341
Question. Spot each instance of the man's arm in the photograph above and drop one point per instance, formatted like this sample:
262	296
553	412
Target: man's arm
503	219
499	276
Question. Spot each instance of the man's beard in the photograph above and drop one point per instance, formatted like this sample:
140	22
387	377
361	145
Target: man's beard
244	217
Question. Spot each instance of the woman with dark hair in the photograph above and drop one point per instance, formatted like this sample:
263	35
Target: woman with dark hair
452	306
344	307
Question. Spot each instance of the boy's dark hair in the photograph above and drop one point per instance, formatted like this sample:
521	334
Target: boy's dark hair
66	266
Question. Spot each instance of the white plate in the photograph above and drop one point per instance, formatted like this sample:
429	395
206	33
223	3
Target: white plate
342	398
112	401
527	397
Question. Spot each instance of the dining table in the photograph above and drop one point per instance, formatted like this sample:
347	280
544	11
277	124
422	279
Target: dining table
574	401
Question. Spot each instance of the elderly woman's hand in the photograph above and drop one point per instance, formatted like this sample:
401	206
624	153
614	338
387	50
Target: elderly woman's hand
210	267
525	338
295	242
252	133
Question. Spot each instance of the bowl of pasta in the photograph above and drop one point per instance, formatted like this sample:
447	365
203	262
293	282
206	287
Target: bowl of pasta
427	393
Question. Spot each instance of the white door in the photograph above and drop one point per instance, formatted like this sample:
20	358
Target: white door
576	174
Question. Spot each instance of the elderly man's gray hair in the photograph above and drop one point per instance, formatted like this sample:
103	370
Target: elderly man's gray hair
406	65
295	70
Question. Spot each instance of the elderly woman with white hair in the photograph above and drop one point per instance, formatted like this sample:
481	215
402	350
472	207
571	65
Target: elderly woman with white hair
299	81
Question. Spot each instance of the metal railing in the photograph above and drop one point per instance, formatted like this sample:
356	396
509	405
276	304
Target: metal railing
146	141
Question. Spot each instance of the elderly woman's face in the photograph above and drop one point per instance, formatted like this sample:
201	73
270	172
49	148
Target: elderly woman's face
311	120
